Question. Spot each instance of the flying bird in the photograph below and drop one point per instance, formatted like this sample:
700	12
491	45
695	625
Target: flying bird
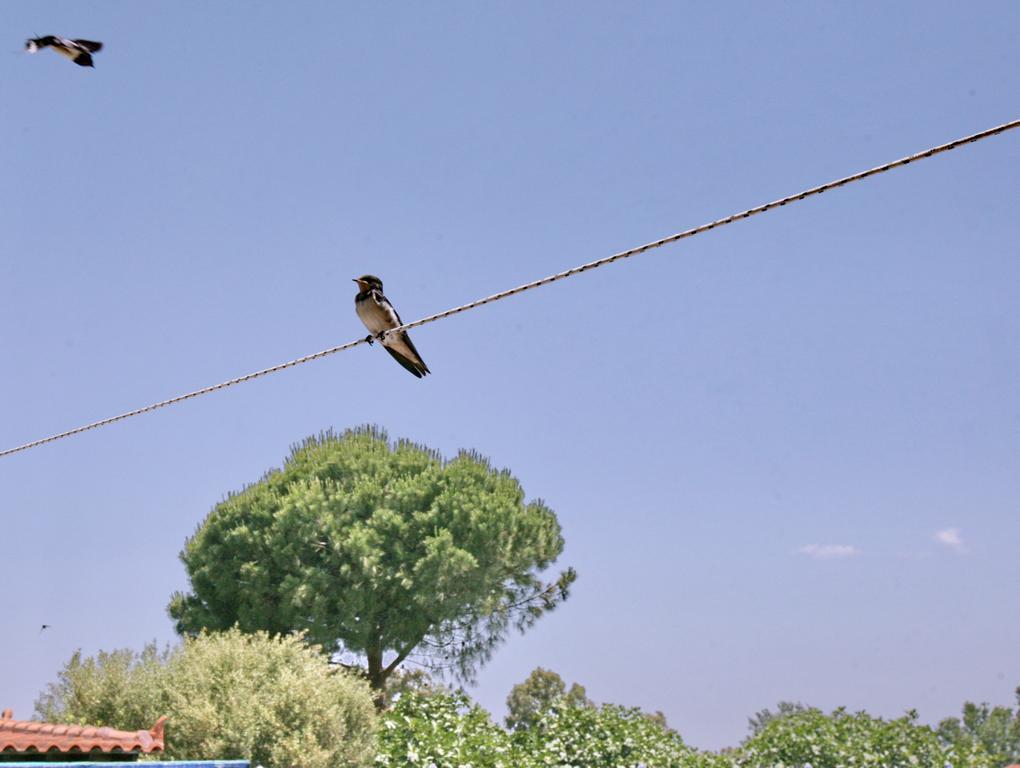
44	626
78	51
379	316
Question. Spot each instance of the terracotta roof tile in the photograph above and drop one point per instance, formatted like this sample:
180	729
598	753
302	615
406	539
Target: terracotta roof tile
29	736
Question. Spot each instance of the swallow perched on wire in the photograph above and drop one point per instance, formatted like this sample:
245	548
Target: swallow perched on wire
379	316
78	51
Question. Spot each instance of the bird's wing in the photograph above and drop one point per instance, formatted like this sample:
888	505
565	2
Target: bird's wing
406	362
89	45
70	51
400	347
399	344
387	305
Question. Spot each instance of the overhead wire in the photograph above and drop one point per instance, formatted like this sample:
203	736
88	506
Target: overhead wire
535	283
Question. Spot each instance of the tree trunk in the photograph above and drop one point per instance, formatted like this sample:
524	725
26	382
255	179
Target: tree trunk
377	676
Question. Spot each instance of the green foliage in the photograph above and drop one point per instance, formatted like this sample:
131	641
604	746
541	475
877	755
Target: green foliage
445	730
996	729
765	716
609	736
273	701
407	681
442	729
841	740
371	548
541	690
118	688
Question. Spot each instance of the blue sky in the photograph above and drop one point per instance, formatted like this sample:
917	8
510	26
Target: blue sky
784	454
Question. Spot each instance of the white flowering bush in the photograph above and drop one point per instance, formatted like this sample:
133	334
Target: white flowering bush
609	736
844	740
441	730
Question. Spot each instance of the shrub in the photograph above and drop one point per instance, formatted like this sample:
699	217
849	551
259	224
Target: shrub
120	689
272	700
609	736
840	740
441	729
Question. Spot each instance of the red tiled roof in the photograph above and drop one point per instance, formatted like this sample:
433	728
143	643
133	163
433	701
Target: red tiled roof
29	736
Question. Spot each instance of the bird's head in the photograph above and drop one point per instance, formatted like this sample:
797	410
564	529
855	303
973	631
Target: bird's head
31	46
369	283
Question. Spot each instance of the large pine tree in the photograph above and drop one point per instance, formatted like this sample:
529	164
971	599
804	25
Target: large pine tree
377	549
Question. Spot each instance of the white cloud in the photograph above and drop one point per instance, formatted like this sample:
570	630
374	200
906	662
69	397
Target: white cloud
829	551
951	538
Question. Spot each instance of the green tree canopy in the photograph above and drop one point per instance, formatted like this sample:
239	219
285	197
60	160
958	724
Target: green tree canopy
809	736
229	695
997	729
542	689
375	548
765	716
